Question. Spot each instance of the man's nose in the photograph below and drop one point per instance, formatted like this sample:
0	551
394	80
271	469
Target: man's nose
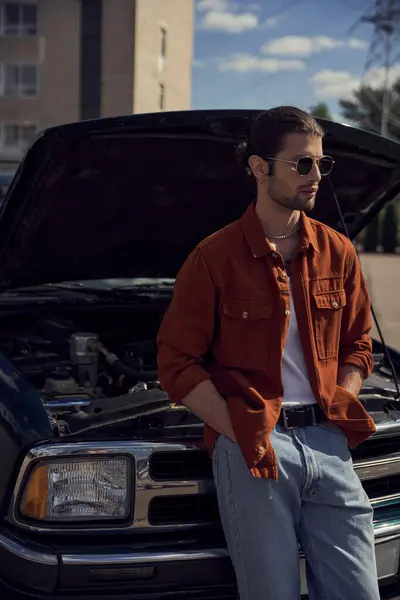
315	173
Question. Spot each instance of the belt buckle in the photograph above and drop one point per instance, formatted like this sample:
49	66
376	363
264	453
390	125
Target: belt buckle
314	416
285	419
304	410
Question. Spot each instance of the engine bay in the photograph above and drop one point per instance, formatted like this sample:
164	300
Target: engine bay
89	366
95	368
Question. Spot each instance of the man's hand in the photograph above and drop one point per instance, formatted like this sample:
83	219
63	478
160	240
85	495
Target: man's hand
207	404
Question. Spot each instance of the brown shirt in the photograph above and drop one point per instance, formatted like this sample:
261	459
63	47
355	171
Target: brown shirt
228	321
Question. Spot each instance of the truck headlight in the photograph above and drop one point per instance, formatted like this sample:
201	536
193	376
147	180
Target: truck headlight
74	489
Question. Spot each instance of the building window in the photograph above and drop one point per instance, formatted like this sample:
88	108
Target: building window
163	42
19	81
18	19
16	136
161	98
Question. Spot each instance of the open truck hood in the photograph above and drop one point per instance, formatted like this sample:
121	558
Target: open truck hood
131	196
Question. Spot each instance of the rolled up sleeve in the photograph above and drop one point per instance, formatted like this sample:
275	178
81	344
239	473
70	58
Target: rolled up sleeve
187	329
355	342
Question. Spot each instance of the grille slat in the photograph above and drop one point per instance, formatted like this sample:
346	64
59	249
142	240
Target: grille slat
180	466
384	486
376	447
174	510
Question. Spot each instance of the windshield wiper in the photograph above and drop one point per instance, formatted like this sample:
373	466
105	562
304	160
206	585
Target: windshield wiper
43	291
81	286
78	290
46	288
143	290
128	290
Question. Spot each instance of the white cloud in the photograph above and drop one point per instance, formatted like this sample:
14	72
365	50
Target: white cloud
334	84
294	45
355	44
376	77
342	84
225	16
229	22
244	63
217	5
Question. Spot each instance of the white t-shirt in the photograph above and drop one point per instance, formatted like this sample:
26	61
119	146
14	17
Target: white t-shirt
296	385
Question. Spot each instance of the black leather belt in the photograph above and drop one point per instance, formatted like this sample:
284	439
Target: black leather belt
302	416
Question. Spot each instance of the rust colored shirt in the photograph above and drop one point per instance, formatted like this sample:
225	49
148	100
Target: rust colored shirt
228	321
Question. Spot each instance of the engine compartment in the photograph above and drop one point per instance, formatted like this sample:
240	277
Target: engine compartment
94	366
84	362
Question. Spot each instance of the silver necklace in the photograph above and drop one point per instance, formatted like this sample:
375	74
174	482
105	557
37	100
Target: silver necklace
286	235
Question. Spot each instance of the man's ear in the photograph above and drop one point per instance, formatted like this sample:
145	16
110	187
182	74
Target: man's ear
258	166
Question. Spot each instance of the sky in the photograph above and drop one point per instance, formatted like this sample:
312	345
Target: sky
263	53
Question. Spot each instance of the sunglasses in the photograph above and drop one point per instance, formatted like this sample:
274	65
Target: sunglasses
304	164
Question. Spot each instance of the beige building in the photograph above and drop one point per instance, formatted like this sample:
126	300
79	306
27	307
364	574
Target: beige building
69	60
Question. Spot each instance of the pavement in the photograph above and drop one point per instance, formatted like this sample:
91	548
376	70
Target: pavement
382	272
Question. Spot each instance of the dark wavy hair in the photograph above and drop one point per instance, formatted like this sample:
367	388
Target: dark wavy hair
268	130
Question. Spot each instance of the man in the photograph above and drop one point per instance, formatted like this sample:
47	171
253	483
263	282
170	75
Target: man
267	341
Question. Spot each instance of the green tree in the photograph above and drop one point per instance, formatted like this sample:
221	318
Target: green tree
371	238
365	109
321	110
390	229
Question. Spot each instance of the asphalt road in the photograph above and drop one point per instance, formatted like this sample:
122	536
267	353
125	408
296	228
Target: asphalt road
383	277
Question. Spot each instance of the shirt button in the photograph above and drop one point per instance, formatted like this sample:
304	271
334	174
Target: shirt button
245	314
274	255
287	312
335	304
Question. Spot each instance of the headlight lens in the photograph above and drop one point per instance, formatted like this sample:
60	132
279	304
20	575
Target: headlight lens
78	490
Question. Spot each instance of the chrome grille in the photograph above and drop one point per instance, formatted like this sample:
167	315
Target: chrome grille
377	446
175	489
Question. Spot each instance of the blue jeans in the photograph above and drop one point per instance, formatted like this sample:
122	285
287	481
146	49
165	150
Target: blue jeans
317	504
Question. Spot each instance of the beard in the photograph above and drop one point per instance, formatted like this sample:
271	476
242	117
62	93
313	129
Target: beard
299	202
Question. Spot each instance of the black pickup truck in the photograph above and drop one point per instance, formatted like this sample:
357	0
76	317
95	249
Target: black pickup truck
106	491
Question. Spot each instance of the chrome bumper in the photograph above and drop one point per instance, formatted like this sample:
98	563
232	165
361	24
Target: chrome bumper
47	571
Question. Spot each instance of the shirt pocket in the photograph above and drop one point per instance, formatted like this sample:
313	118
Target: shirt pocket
244	334
328	310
